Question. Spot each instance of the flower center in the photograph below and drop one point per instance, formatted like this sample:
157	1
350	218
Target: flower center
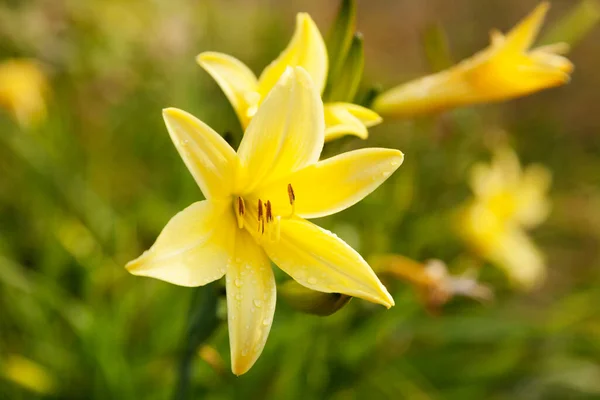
261	222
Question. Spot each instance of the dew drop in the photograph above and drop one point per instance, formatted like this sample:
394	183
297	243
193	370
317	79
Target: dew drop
267	321
239	296
312	280
244	352
258	303
238	282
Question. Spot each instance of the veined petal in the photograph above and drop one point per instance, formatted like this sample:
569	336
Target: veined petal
334	184
306	49
237	81
319	260
209	158
348	119
250	302
522	36
192	249
285	135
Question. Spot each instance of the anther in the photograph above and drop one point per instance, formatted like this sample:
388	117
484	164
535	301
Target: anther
241	210
269	212
292	198
261	220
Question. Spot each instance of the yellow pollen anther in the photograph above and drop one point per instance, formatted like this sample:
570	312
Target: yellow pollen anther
240	211
292	198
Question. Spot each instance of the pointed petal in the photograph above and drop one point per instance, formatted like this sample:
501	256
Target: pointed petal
518	256
250	302
496	38
522	36
286	134
208	157
334	184
192	249
237	81
533	205
306	49
319	260
348	119
559	48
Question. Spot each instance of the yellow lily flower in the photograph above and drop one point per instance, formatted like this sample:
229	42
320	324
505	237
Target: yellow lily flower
257	202
23	86
307	50
505	70
507	201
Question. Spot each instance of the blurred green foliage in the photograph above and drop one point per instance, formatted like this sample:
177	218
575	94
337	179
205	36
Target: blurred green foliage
90	188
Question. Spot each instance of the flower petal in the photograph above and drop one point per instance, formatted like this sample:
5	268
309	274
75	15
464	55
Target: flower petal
285	135
348	119
192	249
306	49
237	81
209	158
250	302
319	260
333	184
533	204
518	256
522	36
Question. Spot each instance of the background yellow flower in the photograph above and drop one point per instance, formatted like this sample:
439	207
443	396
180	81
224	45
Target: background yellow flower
23	88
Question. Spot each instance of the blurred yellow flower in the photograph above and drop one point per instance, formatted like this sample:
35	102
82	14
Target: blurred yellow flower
23	87
257	202
507	202
504	70
306	50
27	374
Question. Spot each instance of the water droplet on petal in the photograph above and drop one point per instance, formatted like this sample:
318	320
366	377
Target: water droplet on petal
238	282
312	280
239	296
258	303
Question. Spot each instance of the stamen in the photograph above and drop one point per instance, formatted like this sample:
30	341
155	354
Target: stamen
241	210
261	219
275	230
292	198
269	213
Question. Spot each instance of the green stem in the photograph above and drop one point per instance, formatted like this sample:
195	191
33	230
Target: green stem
202	322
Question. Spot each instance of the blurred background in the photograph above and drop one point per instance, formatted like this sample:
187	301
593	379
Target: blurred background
87	184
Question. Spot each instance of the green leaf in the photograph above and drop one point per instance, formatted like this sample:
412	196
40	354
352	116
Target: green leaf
346	85
437	51
575	25
340	36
